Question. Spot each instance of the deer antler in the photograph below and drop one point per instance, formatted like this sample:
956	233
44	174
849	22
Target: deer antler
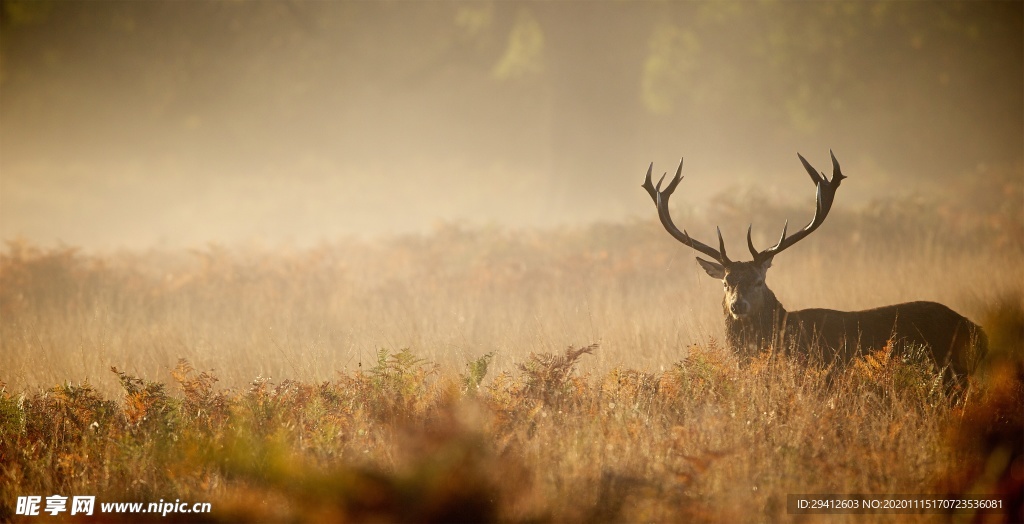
661	201
825	193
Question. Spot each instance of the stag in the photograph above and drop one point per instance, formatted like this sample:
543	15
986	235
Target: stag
755	319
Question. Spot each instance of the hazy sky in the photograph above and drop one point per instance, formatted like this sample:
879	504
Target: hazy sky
176	123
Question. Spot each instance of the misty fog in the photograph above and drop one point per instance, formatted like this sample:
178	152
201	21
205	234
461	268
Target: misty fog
134	124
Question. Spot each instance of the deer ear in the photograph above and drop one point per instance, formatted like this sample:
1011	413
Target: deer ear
714	269
767	263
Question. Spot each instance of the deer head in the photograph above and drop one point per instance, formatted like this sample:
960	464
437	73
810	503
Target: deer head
746	294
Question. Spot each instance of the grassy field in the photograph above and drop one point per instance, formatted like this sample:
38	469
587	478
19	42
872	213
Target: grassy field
481	374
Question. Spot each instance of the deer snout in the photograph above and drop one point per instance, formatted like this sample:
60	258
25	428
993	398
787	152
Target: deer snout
739	308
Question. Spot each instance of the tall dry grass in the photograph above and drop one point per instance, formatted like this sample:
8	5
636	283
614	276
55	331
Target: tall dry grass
426	378
399	441
449	296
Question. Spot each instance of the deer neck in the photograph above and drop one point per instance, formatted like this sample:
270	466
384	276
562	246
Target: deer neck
755	332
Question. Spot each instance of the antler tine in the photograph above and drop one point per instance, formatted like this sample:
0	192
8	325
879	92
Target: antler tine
837	174
825	193
660	198
750	243
783	237
815	176
675	179
759	256
721	247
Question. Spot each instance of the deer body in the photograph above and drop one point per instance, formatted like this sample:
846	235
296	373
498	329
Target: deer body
839	336
755	320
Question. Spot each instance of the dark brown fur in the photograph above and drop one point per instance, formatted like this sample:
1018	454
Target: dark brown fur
837	337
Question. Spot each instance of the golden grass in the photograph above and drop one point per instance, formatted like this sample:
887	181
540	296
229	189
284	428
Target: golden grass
450	297
426	378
